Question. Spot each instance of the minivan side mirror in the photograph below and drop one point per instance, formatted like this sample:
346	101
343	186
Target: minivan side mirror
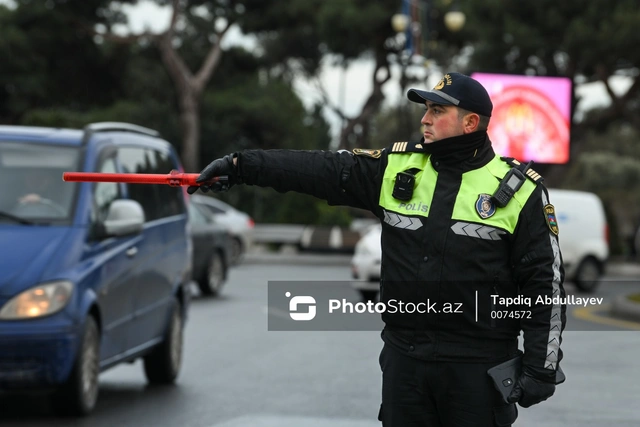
124	217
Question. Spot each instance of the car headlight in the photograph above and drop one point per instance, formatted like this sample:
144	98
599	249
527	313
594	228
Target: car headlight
41	300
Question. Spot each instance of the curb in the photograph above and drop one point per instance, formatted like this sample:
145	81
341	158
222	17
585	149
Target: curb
627	269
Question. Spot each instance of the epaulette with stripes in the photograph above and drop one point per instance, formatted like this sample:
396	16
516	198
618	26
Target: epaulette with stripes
406	147
524	168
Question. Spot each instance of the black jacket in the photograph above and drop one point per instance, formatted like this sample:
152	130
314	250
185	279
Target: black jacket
436	263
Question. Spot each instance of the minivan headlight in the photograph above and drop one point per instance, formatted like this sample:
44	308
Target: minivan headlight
41	300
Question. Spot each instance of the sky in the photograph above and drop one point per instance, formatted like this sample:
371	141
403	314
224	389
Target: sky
346	89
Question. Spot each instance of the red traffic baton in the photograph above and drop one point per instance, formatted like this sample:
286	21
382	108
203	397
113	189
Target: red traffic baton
173	179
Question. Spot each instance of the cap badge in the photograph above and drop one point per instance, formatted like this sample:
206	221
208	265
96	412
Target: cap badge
485	206
445	80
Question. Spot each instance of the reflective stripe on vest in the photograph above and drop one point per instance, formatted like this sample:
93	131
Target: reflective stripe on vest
484	180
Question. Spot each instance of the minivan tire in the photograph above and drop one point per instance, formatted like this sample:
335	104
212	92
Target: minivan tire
162	365
79	394
212	280
588	275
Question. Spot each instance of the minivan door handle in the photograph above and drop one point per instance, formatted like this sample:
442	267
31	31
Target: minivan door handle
132	251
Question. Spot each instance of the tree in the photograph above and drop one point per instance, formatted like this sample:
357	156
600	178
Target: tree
299	36
48	62
248	110
359	29
205	21
593	40
612	172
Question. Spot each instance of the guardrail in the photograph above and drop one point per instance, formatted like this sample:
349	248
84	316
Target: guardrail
278	233
307	237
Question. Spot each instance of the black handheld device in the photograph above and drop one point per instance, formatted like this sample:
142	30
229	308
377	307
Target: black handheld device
505	375
509	185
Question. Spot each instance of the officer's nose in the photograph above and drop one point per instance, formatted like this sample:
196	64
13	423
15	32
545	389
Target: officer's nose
426	119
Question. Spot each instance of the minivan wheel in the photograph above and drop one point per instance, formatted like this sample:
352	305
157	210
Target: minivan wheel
588	275
162	365
78	396
213	278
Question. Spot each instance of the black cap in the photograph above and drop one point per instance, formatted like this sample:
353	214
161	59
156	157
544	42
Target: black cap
459	90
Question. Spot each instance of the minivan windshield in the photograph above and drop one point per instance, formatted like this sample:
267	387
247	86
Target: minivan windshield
32	186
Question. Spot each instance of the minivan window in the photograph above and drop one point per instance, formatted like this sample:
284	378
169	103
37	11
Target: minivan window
158	201
172	198
33	174
104	193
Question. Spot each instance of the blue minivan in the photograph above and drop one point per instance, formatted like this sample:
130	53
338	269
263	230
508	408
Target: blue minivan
91	274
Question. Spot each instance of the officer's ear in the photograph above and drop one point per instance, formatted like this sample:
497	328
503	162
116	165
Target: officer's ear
470	122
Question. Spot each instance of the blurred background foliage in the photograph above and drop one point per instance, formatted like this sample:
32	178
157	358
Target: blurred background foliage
68	67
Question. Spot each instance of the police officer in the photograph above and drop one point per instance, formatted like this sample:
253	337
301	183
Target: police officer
469	243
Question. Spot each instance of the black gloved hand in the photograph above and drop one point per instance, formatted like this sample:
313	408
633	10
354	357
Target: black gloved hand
218	167
528	390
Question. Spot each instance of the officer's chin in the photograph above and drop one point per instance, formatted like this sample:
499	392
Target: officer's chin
428	138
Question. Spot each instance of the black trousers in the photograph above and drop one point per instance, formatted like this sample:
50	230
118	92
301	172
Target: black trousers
417	393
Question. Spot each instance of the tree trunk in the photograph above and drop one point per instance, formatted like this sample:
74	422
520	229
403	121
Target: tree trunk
189	90
190	123
189	87
354	133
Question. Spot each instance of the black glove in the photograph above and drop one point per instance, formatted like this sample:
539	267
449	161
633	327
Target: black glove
218	167
528	390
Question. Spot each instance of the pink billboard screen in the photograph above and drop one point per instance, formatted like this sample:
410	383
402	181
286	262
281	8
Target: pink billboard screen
531	116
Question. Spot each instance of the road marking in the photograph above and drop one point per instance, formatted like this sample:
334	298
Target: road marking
589	314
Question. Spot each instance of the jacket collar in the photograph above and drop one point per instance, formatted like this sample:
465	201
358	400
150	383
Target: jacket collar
469	151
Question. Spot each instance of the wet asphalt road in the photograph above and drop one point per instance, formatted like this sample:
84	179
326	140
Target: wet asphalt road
236	373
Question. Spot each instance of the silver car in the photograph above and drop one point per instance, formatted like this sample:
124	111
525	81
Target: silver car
239	224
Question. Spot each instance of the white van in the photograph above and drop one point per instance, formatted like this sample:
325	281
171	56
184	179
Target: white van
583	236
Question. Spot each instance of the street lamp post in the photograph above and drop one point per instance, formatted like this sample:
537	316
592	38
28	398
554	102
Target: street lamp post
410	25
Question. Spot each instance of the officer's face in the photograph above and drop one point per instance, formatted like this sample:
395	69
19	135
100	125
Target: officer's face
440	122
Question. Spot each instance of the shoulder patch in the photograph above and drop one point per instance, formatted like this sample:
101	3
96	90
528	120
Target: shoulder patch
368	152
530	173
550	216
406	147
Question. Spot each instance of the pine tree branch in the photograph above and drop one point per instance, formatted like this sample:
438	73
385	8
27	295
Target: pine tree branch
211	61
